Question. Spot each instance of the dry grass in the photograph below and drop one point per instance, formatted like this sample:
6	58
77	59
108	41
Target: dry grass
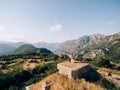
60	82
23	64
110	70
27	65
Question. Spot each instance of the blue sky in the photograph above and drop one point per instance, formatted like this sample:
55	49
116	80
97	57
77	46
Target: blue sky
57	20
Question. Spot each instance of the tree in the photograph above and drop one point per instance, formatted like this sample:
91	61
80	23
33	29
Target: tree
102	62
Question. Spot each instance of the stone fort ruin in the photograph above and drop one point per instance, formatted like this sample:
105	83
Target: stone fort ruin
73	69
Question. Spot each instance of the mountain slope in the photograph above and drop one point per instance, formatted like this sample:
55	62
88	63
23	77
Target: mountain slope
25	49
78	46
50	46
28	49
5	48
72	45
9	47
108	47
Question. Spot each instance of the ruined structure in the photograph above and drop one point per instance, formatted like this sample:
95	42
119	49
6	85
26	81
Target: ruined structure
45	86
73	69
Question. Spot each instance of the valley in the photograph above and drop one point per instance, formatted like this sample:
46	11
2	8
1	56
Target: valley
59	44
28	65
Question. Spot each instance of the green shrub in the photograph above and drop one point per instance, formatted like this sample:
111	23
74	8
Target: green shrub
102	62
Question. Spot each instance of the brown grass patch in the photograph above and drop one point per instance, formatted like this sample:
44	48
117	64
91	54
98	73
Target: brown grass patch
27	65
60	82
110	70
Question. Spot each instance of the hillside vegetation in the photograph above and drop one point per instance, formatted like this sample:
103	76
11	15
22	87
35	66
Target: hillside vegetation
17	71
28	64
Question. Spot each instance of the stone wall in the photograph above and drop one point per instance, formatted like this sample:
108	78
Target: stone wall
64	70
77	73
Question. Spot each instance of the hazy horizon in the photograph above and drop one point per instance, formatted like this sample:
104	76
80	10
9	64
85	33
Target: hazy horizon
57	21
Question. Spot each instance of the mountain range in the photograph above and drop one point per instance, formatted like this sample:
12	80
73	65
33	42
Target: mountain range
109	47
87	46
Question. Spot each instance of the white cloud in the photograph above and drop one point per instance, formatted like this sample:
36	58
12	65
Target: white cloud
56	27
112	23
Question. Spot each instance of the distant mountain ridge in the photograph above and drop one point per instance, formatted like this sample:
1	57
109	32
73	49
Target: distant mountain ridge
50	46
24	49
76	46
29	49
109	47
5	48
9	47
71	46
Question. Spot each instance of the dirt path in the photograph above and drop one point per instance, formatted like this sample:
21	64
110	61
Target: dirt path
115	79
